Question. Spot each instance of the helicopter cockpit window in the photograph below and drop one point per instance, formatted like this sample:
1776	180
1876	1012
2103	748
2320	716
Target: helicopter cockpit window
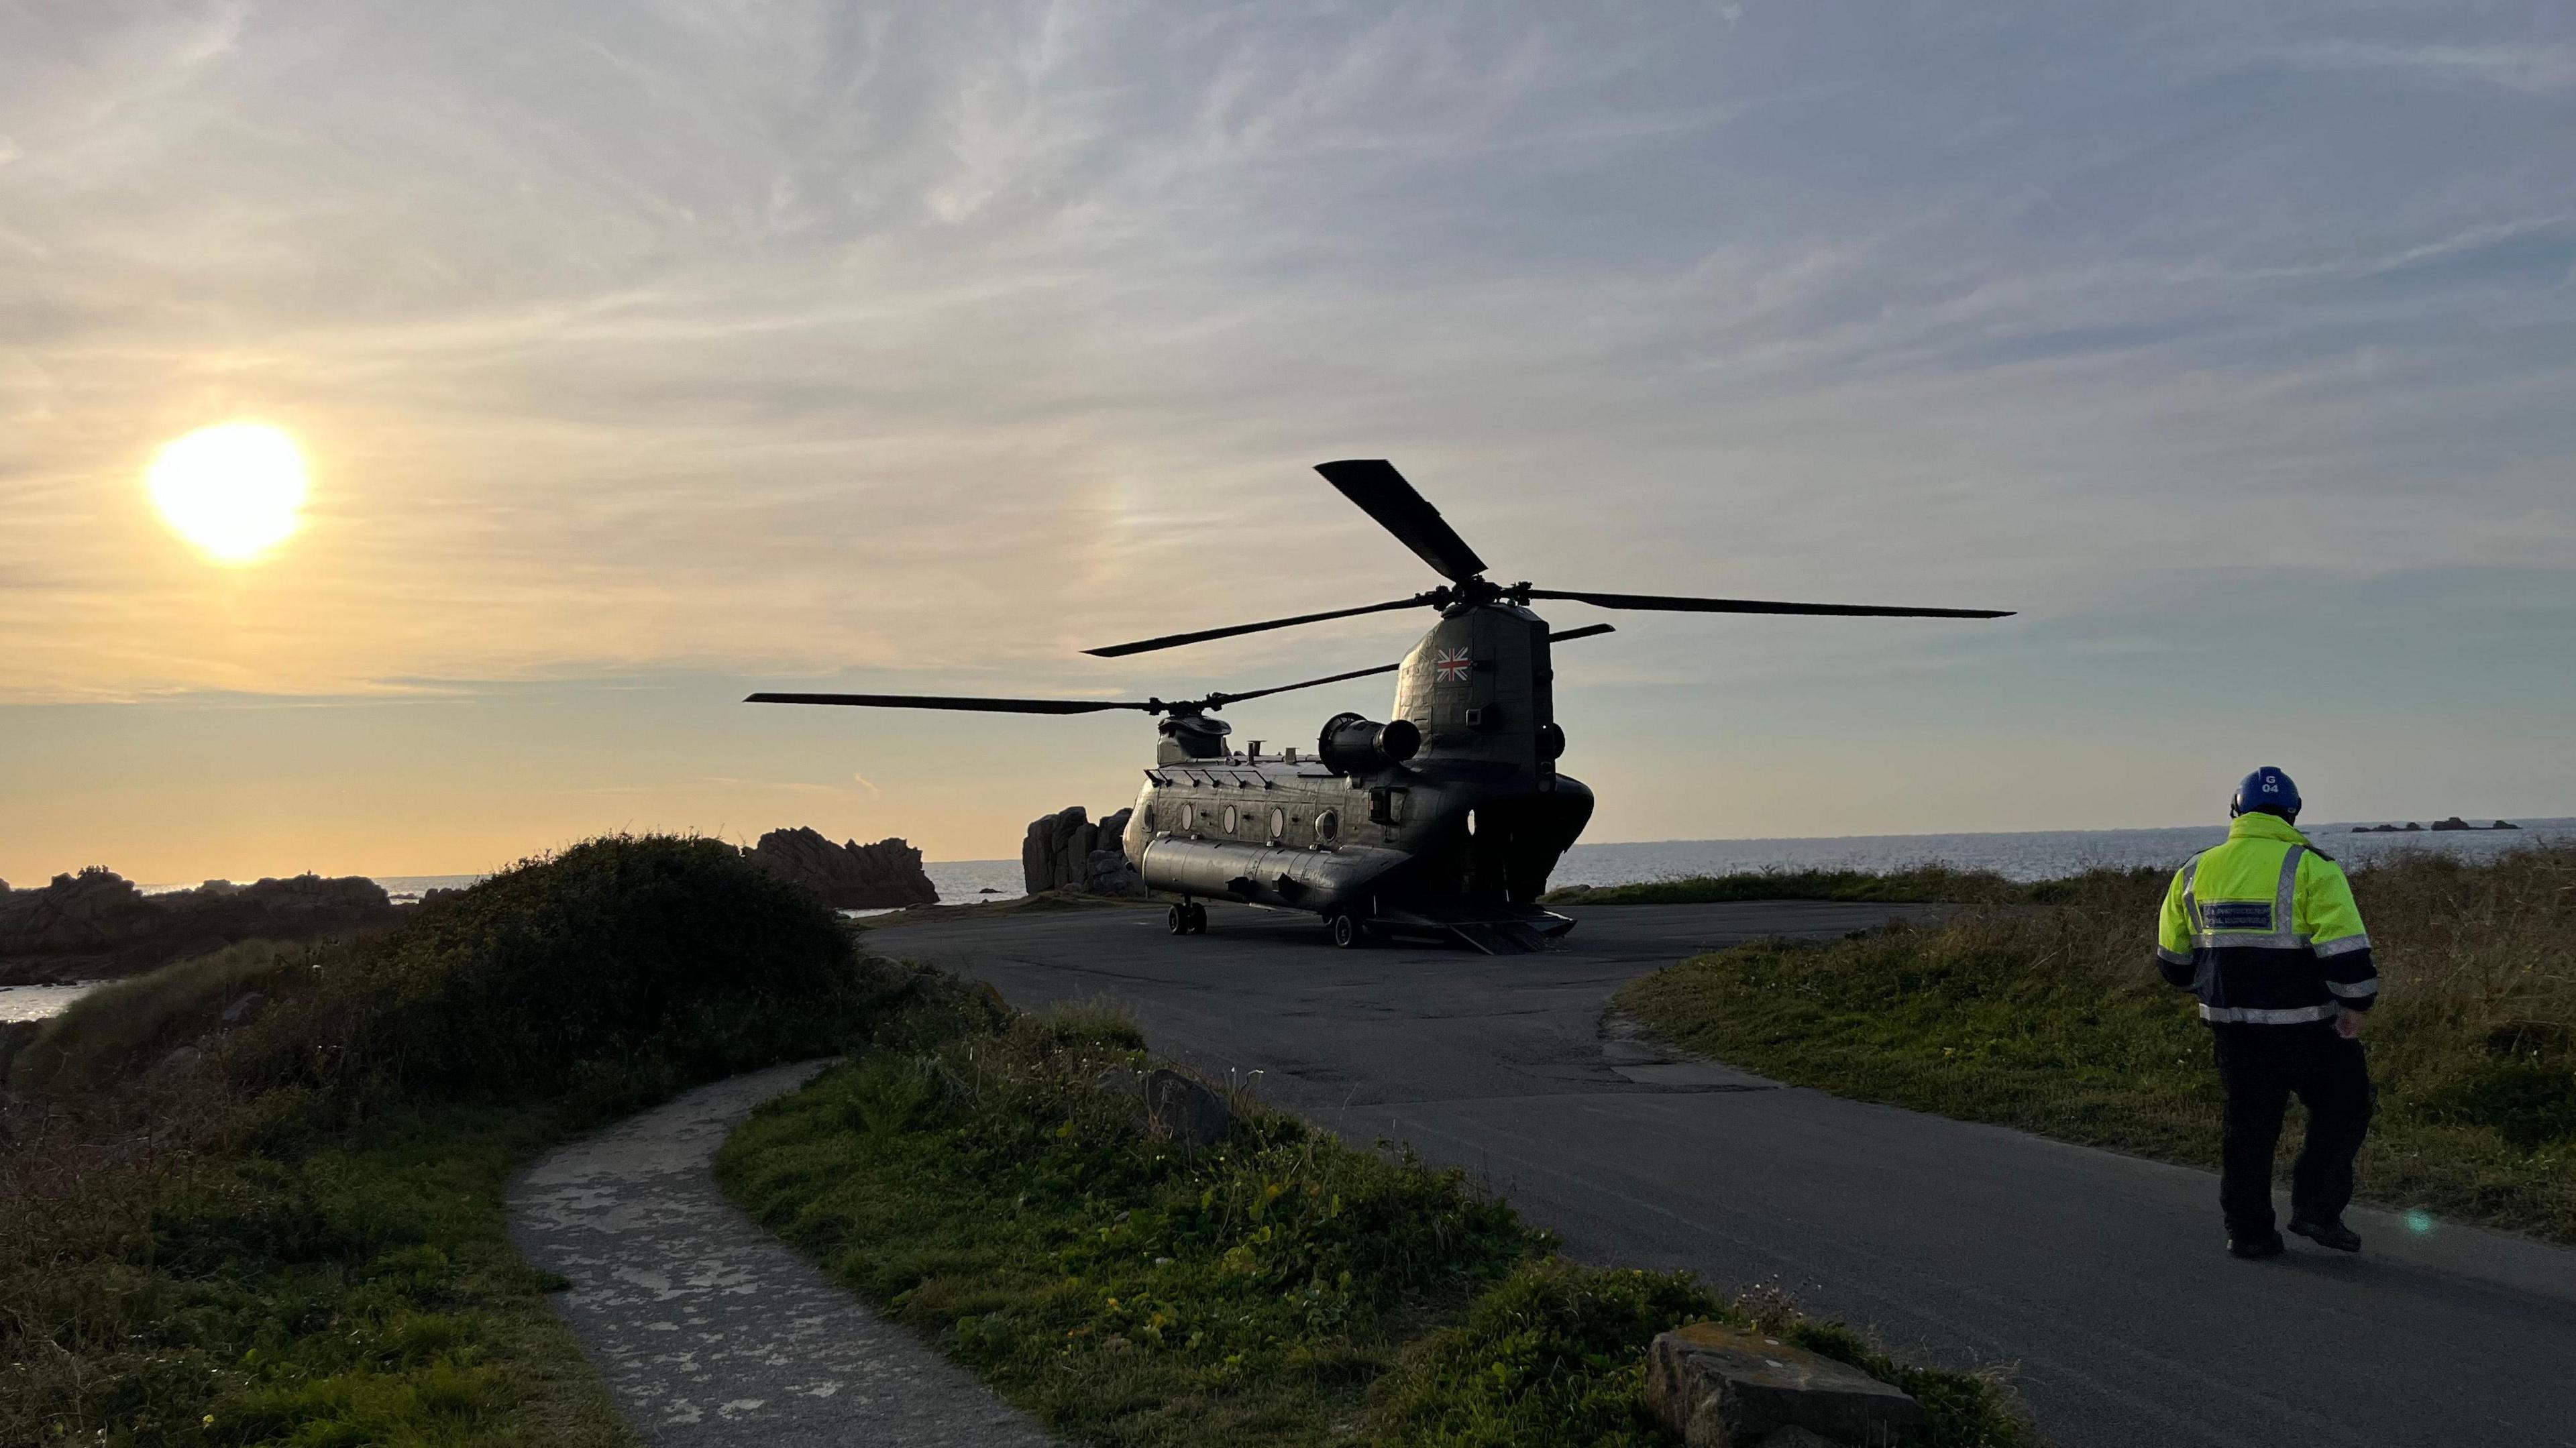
1326	824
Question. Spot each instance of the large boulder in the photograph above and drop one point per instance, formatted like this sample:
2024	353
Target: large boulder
1066	851
1713	1386
1107	870
1056	848
850	875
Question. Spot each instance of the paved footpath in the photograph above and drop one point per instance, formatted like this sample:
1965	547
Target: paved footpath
711	1332
2100	1276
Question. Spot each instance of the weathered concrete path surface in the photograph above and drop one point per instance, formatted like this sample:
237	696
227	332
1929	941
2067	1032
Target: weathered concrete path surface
712	1332
2100	1275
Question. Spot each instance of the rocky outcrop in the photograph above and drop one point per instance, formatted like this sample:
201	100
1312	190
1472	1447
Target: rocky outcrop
1066	851
1713	1386
96	923
849	876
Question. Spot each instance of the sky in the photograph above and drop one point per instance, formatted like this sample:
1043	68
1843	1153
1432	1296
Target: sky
644	354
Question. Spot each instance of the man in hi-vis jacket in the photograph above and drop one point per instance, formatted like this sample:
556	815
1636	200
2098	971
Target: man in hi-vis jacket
2264	930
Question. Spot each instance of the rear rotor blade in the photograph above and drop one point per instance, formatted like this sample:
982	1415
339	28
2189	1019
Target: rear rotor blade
1168	641
968	705
1383	494
1667	604
1588	631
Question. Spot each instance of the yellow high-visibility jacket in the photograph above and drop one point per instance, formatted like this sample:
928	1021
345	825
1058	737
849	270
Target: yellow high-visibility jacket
2264	930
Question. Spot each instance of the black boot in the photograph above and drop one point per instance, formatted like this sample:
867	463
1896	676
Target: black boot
2327	1234
2267	1245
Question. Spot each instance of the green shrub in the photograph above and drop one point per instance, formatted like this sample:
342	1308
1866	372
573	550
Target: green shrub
667	960
119	1030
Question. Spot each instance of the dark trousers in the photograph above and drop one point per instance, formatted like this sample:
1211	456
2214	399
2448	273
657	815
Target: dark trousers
2261	1067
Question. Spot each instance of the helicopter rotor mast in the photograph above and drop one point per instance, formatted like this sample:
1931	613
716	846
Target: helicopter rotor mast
1380	491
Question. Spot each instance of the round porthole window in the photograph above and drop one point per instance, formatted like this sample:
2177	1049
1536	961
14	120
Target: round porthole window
1327	825
1229	819
1278	822
1189	816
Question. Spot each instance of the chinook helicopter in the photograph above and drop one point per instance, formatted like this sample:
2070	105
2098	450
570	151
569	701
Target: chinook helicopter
1443	821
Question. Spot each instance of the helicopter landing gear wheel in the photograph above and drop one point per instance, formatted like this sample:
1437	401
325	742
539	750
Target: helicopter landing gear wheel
1348	933
1196	917
1177	920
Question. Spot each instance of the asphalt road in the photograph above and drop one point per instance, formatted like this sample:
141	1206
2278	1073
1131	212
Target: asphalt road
2100	1279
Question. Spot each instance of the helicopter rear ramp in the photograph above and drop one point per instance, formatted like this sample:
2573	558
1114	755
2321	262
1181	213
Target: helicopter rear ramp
1503	932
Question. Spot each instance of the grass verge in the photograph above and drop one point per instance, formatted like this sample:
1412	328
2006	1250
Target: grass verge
1283	1288
291	1231
2048	1015
1921	883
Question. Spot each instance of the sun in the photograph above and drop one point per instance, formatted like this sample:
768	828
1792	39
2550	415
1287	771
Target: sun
235	491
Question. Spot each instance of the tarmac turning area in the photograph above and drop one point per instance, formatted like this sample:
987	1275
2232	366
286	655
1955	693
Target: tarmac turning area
2100	1277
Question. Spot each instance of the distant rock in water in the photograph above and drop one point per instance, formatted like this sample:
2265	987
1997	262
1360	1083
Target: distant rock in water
1066	851
2453	824
95	923
849	876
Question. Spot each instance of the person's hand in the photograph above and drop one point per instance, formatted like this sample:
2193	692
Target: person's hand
2348	1025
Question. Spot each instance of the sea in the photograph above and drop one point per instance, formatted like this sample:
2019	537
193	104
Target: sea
2023	855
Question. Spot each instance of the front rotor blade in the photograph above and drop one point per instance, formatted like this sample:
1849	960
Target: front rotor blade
1219	701
1168	641
1383	494
968	705
1666	604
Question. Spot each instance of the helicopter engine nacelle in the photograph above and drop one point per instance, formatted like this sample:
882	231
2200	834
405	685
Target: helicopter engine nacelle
1353	745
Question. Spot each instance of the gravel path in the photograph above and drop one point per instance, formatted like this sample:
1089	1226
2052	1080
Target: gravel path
709	1330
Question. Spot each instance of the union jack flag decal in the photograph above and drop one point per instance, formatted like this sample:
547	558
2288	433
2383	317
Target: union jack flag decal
1451	666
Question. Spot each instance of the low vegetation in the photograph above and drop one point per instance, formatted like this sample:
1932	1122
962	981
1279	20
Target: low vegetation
1281	1288
1917	883
2044	1012
292	1232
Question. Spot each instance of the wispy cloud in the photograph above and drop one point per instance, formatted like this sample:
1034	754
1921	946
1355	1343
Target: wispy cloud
916	343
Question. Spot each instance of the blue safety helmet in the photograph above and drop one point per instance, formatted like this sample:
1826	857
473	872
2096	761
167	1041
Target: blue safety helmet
2265	791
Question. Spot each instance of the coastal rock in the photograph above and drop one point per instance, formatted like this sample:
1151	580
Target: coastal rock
1107	870
849	876
97	923
1185	1111
1053	853
1713	1386
1066	851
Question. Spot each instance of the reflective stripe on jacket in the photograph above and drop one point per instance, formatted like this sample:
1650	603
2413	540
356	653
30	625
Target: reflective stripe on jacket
2264	930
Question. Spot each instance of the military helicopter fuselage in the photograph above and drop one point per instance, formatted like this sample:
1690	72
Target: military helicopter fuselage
1445	819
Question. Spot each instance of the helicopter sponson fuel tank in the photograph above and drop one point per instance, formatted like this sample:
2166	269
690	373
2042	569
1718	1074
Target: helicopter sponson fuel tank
1446	818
